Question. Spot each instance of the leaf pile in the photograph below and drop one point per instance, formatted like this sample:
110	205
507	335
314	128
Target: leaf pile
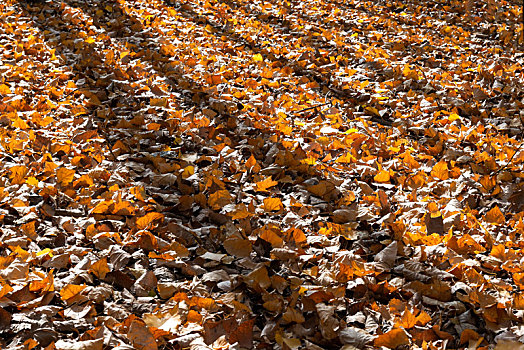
232	174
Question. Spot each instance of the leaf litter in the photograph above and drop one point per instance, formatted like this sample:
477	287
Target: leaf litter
244	174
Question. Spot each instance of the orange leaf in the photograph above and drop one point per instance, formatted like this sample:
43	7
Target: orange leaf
123	208
273	204
240	212
423	318
64	176
71	290
392	339
518	278
147	219
6	289
407	320
219	199
4	90
45	285
265	184
29	229
382	177
251	162
100	268
495	216
272	237
20	124
440	170
194	316
18	174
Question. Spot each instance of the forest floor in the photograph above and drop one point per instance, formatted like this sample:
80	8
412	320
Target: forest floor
232	174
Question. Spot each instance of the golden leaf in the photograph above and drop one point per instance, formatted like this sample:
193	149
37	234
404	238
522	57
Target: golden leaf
219	199
383	176
263	185
100	268
4	89
147	219
440	170
495	216
18	174
392	339
71	290
272	237
273	204
64	176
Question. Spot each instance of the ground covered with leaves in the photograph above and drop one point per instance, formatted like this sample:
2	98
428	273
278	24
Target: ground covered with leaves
232	174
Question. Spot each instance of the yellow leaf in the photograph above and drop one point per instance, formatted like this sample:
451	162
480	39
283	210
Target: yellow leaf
100	268
70	291
32	181
147	219
263	185
258	58
495	216
440	170
18	174
45	251
453	117
188	171
273	204
64	176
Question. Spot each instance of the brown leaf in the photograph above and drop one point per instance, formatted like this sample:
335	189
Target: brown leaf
140	336
238	246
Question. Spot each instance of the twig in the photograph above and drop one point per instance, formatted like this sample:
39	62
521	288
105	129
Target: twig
312	107
510	160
